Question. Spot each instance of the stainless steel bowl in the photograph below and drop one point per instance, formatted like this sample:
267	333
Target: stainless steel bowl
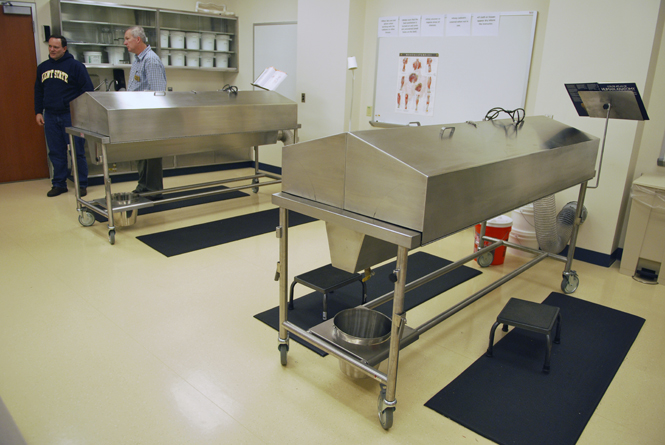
124	217
361	326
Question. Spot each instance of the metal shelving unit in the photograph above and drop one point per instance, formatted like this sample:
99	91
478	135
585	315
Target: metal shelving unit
96	26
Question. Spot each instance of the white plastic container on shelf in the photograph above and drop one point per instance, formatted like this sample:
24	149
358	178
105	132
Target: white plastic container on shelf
193	58
193	40
165	57
177	39
207	60
222	42
92	56
207	41
178	58
164	38
222	60
116	55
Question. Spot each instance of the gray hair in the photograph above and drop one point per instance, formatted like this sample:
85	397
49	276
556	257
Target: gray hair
138	31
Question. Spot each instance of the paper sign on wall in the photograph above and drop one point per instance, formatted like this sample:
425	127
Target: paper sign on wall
432	25
458	25
485	24
416	83
409	26
388	26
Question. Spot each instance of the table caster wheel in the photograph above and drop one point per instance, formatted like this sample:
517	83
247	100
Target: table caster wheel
486	259
112	237
570	283
283	350
386	418
86	218
385	412
255	189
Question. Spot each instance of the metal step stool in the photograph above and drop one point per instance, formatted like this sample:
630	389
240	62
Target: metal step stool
327	279
530	316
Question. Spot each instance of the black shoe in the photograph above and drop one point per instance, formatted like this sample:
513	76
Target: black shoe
155	197
83	191
55	191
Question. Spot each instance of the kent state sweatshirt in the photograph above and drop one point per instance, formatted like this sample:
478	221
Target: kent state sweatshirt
58	83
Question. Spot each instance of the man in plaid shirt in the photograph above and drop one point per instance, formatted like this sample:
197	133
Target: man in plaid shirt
147	74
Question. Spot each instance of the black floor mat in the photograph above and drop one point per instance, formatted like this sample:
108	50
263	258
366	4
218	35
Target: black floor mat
201	236
508	399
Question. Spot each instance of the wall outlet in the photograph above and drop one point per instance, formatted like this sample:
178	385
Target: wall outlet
170	88
302	97
369	111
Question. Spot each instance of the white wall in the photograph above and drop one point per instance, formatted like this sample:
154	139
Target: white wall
323	33
654	130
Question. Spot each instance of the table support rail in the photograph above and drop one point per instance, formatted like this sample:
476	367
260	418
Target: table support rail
458	307
335	351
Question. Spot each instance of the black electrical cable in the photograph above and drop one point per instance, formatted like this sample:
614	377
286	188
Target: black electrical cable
517	115
231	89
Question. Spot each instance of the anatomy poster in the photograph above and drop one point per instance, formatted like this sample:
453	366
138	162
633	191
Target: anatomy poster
416	83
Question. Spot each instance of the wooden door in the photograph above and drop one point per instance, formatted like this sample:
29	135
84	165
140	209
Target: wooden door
23	145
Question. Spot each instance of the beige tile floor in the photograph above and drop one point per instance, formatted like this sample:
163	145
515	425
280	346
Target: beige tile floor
103	344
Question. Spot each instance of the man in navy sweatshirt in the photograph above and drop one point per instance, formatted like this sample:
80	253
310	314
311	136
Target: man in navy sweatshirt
61	79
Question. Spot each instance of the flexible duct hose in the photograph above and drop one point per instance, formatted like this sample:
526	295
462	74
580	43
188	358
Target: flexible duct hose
554	231
286	136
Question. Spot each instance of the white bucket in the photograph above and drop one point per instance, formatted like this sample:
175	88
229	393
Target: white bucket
92	56
165	58
116	55
222	42
164	38
193	40
523	218
193	58
524	238
207	60
207	41
178	58
178	39
222	60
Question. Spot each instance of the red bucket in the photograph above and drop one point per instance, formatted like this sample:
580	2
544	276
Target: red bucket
498	228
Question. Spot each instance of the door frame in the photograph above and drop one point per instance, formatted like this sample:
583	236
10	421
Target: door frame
33	12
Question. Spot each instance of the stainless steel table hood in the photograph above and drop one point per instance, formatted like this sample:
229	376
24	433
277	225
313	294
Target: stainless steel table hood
140	125
434	180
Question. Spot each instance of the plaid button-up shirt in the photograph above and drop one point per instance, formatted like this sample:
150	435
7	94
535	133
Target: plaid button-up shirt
147	73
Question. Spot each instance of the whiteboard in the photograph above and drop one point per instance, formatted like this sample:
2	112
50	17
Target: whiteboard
473	74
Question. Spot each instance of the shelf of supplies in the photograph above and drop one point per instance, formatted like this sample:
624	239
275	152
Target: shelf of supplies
95	44
202	68
81	21
107	65
168	67
199	50
90	22
221	33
